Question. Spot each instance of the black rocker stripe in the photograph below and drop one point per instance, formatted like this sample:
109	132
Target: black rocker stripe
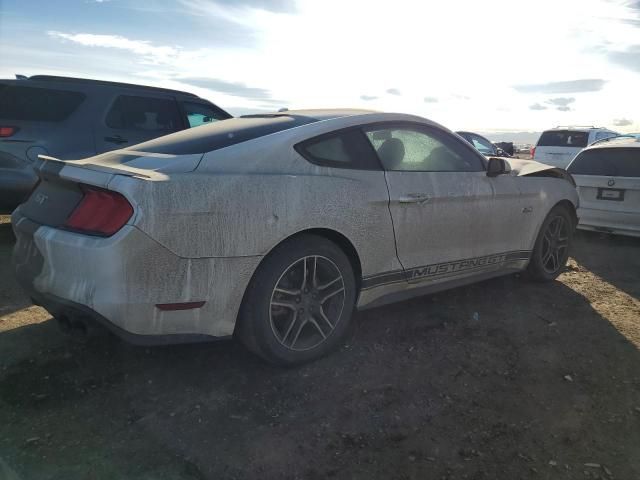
443	270
383	279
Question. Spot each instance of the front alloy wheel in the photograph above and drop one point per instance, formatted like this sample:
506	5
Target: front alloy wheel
555	244
551	250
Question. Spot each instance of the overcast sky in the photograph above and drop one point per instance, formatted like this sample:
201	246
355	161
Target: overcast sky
479	65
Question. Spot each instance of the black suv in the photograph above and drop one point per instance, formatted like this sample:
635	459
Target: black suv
72	118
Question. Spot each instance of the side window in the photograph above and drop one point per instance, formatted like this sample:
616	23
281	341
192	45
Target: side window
413	148
38	104
201	113
144	113
342	149
482	145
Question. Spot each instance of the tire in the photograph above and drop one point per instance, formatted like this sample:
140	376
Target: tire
551	250
299	303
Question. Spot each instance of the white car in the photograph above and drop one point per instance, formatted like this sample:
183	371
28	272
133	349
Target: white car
274	227
560	145
608	179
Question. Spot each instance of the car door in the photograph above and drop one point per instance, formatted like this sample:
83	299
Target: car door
441	201
136	118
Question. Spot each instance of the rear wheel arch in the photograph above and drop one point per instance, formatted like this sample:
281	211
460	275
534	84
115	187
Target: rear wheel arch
345	245
333	236
570	207
255	322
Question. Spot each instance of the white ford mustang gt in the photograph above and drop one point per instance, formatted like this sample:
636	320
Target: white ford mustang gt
274	227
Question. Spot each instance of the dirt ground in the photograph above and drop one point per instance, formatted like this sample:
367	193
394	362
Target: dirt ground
500	380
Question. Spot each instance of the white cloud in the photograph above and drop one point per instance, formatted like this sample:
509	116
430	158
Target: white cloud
622	122
315	57
150	53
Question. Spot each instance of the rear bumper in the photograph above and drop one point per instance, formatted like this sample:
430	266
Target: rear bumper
73	312
118	281
621	223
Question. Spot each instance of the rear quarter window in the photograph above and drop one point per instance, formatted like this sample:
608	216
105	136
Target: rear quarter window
341	149
563	138
607	162
38	104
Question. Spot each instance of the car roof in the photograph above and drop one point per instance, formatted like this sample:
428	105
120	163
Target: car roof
617	142
226	133
577	128
52	80
313	114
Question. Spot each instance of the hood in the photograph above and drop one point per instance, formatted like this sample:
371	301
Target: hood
523	168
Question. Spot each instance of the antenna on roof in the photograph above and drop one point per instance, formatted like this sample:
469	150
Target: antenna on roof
21	77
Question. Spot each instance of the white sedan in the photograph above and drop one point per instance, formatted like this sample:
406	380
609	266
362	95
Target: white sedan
275	227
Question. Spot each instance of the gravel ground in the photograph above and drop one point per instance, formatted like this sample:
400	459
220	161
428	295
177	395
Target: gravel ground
500	380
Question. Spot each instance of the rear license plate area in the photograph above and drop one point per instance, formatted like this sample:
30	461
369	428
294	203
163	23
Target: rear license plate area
611	194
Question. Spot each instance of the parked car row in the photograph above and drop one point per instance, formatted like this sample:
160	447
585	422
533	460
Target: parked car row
606	168
268	227
560	145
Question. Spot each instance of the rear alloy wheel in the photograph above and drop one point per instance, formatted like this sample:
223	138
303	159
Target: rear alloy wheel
307	303
299	304
551	251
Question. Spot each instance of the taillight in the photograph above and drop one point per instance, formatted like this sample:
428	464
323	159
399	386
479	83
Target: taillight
100	212
7	131
533	152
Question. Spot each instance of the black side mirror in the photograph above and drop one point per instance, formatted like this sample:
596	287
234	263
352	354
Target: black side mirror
497	166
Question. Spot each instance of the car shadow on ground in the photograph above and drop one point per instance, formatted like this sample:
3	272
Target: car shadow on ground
621	264
12	298
503	379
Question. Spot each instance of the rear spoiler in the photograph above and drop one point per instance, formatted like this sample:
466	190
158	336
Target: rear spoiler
50	168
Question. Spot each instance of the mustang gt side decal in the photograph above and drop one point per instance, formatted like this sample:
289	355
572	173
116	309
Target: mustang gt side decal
440	270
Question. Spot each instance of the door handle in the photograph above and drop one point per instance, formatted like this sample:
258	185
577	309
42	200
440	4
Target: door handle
419	198
116	139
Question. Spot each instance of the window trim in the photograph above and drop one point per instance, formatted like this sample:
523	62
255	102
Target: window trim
428	128
301	149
